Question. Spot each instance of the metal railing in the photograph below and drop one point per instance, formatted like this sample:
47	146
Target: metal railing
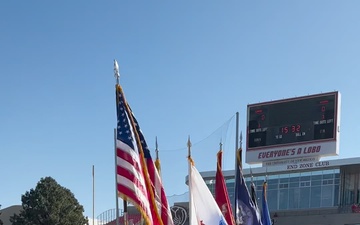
108	216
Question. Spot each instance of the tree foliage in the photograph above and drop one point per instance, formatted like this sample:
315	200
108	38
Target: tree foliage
49	204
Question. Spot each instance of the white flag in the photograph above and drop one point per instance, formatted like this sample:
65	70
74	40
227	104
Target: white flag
205	211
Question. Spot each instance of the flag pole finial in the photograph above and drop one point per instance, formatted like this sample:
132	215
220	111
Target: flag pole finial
116	71
189	146
221	144
156	148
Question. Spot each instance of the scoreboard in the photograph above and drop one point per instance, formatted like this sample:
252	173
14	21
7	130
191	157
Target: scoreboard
287	128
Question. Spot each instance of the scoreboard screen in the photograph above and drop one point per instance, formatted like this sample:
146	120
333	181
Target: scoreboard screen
297	120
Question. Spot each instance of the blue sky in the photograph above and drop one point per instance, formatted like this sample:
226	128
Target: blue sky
186	68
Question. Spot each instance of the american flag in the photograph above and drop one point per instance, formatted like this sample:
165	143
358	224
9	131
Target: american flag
133	173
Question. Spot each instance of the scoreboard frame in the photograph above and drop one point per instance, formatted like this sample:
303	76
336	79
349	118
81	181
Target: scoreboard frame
293	128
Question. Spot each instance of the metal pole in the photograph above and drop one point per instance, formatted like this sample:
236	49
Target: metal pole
116	190
93	194
125	216
236	137
236	162
189	178
240	150
117	76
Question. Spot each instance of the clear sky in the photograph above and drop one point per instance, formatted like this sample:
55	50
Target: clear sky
186	68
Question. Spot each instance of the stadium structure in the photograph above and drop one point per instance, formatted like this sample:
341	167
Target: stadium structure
289	137
318	193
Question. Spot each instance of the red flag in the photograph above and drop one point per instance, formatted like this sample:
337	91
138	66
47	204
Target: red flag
221	194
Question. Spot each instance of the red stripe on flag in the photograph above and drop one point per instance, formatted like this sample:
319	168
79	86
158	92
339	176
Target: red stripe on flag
134	199
128	158
159	193
129	194
130	176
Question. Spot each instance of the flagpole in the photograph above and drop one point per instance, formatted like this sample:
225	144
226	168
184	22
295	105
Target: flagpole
236	155
189	179
240	150
236	137
125	212
93	194
116	191
117	76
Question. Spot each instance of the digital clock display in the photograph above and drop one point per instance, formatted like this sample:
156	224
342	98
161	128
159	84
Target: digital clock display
296	120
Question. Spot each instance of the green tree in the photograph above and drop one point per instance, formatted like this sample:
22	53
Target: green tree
49	204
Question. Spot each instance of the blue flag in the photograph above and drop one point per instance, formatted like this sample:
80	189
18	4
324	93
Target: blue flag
246	212
266	220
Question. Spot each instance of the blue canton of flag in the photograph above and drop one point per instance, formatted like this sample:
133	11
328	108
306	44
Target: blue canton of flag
123	127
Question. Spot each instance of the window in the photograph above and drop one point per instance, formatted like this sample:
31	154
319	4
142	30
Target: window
272	198
349	188
336	195
294	179
272	186
305	178
230	187
316	177
327	196
327	182
294	198
305	184
304	198
328	176
230	180
283	198
318	172
273	181
299	190
316	183
284	180
315	197
286	175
